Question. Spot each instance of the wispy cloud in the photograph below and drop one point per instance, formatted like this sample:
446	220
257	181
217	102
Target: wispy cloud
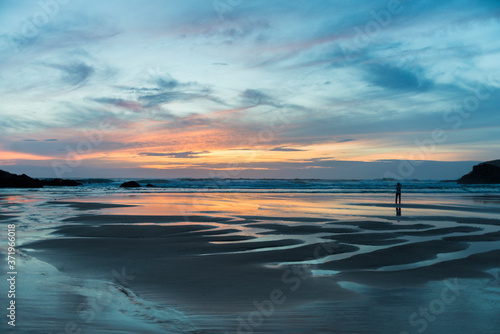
121	103
256	97
177	155
286	149
280	81
168	97
74	74
390	77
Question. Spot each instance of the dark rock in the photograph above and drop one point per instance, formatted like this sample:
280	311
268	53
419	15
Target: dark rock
150	185
61	183
484	173
130	184
8	180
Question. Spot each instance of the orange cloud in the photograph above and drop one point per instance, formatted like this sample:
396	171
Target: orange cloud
6	156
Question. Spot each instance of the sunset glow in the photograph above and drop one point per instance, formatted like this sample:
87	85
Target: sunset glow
181	89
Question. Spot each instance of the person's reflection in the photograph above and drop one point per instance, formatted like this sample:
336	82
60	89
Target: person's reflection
398	211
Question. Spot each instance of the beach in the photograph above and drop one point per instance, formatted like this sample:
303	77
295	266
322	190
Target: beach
134	262
249	167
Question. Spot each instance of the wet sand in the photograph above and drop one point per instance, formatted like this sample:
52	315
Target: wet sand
217	268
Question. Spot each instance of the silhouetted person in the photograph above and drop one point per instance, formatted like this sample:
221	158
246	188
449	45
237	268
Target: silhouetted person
398	193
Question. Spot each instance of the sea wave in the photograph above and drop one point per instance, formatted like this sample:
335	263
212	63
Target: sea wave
280	186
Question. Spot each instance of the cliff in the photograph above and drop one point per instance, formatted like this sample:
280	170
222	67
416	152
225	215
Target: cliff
8	180
484	173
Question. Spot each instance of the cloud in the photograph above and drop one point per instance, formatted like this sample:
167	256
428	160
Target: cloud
164	89
233	32
177	155
167	82
286	149
275	66
74	74
168	97
158	89
125	104
70	115
394	78
21	124
256	97
51	140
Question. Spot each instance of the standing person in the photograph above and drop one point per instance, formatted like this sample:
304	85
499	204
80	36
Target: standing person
398	193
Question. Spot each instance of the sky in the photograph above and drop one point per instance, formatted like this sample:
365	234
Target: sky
249	88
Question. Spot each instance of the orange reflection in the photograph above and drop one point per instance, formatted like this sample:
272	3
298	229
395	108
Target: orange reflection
222	204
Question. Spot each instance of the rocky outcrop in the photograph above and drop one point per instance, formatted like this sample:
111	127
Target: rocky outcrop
130	184
149	185
61	183
484	173
8	180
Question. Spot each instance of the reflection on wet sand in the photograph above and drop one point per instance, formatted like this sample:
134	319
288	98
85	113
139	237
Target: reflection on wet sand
223	256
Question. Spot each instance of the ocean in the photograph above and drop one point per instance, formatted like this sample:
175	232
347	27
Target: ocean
293	256
276	186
